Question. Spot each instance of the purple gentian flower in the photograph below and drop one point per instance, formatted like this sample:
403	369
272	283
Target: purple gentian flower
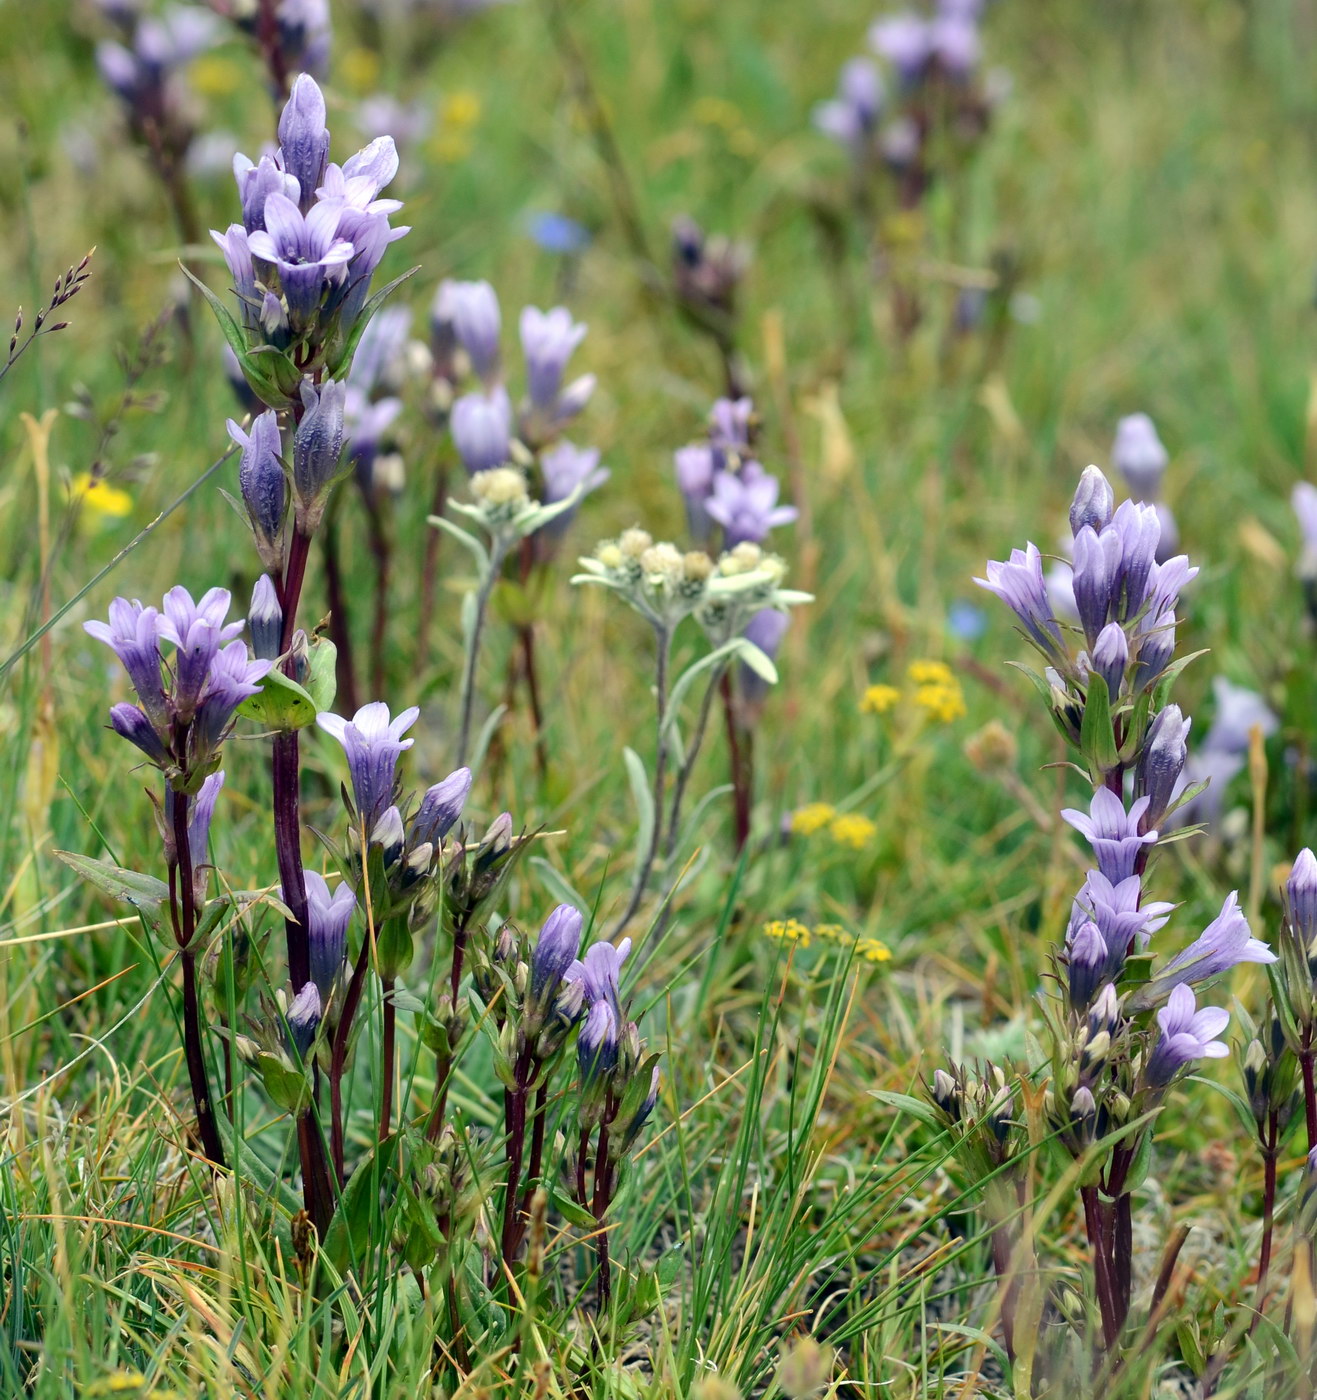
1112	832
1096	577
1304	501
306	249
955	44
1225	943
906	41
441	808
1138	455
317	447
373	743
599	972
1091	964
565	468
303	1018
1301	897
596	1046
133	633
231	678
197	631
130	723
379	363
1111	655
744	503
1187	1035
1019	584
1238	711
851	116
304	139
481	424
554	954
548	339
256	183
472	310
233	243
1094	502
328	917
1161	764
262	483
1125	922
265	620
556	233
765	630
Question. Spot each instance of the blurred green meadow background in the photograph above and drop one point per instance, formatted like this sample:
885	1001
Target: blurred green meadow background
1148	179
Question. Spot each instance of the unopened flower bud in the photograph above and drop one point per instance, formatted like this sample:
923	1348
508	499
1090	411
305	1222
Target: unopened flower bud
1161	764
1094	502
265	619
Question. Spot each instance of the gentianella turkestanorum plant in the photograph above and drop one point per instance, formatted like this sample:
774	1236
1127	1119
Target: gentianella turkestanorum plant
1124	1022
666	586
184	712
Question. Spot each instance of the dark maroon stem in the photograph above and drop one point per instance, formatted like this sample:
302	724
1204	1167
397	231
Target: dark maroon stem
603	1188
1095	1228
1309	1089
267	35
185	926
514	1104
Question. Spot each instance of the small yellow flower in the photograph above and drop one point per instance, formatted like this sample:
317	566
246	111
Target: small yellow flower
213	75
812	817
851	829
833	933
360	69
460	109
449	147
788	930
878	699
98	497
930	673
873	950
943	702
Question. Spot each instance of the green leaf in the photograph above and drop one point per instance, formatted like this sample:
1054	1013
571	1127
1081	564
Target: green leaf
717	658
340	360
144	892
322	681
557	884
572	1212
758	661
908	1104
464	538
280	704
1096	738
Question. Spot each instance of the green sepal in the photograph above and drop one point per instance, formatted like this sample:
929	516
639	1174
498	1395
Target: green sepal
322	678
280	704
1097	739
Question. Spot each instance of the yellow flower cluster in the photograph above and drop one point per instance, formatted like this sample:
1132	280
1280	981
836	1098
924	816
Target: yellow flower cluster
812	817
845	828
936	690
788	931
871	950
878	699
851	829
458	115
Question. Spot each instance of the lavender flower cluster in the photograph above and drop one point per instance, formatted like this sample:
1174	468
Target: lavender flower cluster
302	259
933	62
1106	682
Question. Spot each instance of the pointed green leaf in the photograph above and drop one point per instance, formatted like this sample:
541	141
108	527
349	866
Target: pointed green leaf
144	892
